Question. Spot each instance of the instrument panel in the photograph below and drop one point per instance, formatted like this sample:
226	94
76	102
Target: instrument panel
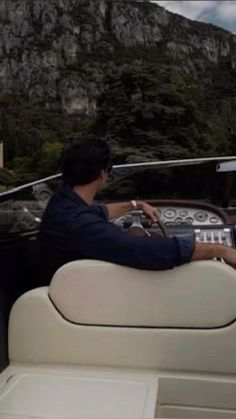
176	216
209	226
191	216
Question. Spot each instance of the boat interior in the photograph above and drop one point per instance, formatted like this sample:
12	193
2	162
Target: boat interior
107	341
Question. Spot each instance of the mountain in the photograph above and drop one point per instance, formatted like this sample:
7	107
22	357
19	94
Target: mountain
153	83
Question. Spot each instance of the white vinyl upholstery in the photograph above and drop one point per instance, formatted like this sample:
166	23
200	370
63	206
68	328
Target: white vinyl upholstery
49	393
195	295
38	334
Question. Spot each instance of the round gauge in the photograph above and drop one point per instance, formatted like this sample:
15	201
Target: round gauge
183	213
189	220
169	213
201	216
178	220
214	220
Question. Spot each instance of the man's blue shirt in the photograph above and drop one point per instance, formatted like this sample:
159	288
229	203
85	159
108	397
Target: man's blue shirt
71	229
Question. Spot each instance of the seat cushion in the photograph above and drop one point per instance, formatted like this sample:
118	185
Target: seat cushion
196	295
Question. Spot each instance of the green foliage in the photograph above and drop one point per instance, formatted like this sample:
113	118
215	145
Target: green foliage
6	179
147	111
34	137
23	170
49	159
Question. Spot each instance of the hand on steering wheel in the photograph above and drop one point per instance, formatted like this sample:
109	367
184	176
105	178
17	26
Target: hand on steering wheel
137	227
154	215
151	212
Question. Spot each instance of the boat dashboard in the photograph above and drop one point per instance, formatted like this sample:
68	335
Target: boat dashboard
208	223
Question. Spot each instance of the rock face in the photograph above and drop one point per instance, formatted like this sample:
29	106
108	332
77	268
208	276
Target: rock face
57	51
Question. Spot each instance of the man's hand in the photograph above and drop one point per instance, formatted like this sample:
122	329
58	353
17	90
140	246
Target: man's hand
149	211
230	256
115	210
206	251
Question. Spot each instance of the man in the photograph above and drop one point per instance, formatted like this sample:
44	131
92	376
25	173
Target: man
74	228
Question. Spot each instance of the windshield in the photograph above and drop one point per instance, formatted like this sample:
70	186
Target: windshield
165	183
21	209
191	182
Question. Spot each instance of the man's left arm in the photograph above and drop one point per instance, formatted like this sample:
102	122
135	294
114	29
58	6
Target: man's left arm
117	209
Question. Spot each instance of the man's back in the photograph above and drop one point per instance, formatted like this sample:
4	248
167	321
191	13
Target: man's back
71	229
61	218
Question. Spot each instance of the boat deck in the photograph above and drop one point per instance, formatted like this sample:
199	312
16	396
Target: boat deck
71	393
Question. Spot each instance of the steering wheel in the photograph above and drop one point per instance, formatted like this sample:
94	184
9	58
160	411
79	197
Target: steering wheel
138	229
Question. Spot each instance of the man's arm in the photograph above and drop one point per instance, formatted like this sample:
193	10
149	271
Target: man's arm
117	209
95	238
100	240
204	251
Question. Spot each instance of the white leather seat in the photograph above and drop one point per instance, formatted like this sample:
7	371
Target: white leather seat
189	313
196	295
195	302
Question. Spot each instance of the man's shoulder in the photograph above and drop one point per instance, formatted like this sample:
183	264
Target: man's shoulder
65	196
59	207
66	205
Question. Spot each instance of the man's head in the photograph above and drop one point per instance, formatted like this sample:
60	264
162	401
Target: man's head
86	162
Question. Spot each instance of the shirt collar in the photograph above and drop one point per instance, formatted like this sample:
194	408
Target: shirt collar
69	193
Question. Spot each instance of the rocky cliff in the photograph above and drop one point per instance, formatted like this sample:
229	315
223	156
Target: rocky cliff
139	75
58	51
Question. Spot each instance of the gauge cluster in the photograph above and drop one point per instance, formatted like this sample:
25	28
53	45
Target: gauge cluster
176	216
191	216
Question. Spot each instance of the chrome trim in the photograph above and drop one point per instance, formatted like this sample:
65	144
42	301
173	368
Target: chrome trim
169	163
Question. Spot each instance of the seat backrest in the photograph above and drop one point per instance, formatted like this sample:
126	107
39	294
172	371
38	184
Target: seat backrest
196	295
177	320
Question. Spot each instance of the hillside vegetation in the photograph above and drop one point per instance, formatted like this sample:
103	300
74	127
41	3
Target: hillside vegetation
153	84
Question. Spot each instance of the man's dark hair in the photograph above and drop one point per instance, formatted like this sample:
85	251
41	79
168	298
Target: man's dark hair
83	161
